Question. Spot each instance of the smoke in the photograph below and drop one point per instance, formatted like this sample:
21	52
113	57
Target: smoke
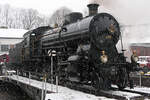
129	12
125	42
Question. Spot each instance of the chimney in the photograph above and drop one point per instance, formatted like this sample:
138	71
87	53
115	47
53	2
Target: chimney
93	9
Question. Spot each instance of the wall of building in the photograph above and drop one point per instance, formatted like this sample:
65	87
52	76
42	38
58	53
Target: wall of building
8	43
10	40
141	50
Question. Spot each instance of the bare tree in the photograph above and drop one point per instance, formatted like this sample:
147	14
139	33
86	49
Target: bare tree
0	14
21	18
17	19
6	15
59	15
42	21
29	18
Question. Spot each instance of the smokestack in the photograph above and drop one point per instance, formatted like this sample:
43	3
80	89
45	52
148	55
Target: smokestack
93	9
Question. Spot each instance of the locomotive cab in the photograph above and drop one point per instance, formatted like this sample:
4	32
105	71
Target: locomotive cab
26	46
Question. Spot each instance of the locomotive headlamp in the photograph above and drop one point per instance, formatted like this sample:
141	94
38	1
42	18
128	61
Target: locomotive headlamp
134	57
112	28
104	57
64	29
33	34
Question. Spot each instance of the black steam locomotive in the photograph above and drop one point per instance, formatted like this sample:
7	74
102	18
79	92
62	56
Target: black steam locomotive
84	51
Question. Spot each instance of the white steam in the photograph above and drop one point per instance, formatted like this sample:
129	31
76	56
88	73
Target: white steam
129	12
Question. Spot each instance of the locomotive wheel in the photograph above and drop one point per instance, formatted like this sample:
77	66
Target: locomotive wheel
122	79
97	83
122	85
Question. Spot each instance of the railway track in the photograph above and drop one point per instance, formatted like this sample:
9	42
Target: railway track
113	93
122	95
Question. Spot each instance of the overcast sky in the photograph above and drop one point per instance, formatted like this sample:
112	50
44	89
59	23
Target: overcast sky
127	11
130	11
47	6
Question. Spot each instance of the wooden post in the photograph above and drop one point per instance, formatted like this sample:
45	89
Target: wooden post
56	84
29	77
42	94
45	85
51	73
17	77
140	80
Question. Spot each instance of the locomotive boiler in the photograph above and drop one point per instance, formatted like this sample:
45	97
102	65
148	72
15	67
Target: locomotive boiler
85	49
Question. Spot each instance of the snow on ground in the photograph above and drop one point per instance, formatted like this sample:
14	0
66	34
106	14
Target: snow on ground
64	93
73	95
127	95
137	88
141	89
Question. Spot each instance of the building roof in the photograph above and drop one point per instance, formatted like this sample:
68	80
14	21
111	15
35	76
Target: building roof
2	53
11	37
12	33
141	44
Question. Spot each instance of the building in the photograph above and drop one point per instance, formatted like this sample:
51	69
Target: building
142	49
9	37
137	37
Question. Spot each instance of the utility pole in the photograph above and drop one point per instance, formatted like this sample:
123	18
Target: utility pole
42	94
51	73
140	80
29	77
52	53
56	84
45	85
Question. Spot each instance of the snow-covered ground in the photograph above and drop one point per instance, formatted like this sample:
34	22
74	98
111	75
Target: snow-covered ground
64	93
141	89
137	88
127	95
68	94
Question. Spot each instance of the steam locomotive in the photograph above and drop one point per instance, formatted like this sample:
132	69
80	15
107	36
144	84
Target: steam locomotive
82	51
